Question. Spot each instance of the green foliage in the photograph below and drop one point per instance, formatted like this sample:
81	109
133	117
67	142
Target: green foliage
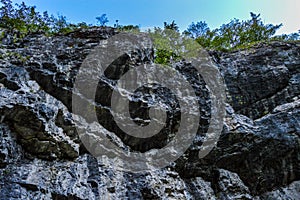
20	19
172	26
171	46
102	20
129	28
60	24
165	48
23	20
236	34
285	37
197	30
164	57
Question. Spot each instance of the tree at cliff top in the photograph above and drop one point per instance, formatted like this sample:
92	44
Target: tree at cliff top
21	19
25	19
102	20
236	34
170	45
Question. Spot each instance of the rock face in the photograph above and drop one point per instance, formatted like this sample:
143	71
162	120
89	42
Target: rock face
261	79
42	156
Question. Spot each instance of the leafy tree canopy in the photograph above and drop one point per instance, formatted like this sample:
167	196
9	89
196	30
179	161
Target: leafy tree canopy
170	45
102	20
26	19
236	34
172	26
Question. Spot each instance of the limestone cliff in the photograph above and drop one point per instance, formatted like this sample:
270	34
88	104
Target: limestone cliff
42	157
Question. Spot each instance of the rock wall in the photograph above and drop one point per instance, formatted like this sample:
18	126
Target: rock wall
42	157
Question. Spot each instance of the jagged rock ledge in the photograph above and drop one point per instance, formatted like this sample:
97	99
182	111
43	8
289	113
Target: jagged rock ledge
41	156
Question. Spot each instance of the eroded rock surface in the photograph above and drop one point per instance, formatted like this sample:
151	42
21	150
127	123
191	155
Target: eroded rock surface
42	156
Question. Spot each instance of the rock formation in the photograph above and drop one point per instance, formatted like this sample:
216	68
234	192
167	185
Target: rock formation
42	156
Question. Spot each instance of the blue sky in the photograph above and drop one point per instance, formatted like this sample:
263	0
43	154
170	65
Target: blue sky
150	13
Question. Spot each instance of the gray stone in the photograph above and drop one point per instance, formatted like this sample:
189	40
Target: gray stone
42	157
